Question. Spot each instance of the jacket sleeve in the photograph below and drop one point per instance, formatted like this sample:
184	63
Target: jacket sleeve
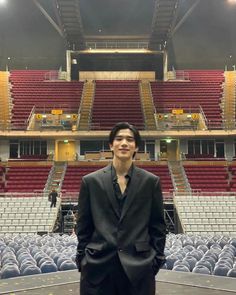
157	227
85	225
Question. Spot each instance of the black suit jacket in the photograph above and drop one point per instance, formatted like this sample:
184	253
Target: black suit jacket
137	235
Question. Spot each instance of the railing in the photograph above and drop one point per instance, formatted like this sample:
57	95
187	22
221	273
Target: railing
116	45
72	197
52	75
35	193
182	75
200	193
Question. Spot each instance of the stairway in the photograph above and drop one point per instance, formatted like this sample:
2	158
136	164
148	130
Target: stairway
147	105
56	176
229	100
4	101
86	105
179	178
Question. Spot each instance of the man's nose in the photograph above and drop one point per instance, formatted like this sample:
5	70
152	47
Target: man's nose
124	141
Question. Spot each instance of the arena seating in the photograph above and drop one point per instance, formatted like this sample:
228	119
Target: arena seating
116	101
207	214
206	254
207	177
163	172
203	89
74	174
30	89
72	180
27	254
27	214
26	178
232	169
2	182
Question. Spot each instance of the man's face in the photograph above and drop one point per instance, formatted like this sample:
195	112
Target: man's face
123	145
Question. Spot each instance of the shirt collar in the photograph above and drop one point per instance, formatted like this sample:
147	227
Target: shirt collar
128	175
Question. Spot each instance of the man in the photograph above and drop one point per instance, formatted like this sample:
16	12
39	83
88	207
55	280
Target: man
53	198
121	227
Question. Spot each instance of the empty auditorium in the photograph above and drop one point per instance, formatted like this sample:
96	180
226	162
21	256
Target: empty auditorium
70	70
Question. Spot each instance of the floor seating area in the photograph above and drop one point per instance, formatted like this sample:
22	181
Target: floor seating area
26	178
116	101
28	254
208	254
204	89
27	214
29	89
207	214
207	178
31	254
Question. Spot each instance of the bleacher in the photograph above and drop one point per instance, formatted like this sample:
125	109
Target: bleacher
116	101
74	173
207	176
27	214
232	170
2	182
207	214
29	89
204	88
24	178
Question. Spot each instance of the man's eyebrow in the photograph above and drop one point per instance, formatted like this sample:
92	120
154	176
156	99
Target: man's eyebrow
124	136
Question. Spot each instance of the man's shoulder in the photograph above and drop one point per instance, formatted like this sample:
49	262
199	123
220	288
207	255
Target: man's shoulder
96	174
145	173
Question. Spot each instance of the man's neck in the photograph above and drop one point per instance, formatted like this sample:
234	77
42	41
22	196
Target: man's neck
121	167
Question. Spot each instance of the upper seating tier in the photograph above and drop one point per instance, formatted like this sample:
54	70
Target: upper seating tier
30	89
116	101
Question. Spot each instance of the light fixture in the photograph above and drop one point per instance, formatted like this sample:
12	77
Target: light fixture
168	140
65	140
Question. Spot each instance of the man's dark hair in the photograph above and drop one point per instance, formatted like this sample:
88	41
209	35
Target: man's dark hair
125	125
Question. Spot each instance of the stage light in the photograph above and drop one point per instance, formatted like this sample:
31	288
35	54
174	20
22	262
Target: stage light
232	1
3	1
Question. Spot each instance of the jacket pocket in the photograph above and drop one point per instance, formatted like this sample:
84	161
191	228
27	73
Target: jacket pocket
94	249
142	246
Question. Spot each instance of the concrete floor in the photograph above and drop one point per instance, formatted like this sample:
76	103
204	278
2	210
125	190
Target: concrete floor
168	283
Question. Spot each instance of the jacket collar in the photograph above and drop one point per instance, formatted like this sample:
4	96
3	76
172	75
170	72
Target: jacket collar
133	188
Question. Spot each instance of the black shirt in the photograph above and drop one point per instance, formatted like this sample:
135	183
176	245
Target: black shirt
118	194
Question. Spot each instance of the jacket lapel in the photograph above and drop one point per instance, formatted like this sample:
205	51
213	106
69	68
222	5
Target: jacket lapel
133	187
107	183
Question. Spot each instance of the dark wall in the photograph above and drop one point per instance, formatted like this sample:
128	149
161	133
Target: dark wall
207	38
119	62
28	38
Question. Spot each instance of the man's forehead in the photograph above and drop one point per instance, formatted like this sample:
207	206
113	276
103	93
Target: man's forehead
125	132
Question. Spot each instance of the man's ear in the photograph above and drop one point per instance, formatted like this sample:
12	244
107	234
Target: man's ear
111	147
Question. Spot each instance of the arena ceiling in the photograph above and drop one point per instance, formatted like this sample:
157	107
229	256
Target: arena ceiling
196	33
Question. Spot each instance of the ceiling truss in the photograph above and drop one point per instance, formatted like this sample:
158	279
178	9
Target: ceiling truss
164	18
